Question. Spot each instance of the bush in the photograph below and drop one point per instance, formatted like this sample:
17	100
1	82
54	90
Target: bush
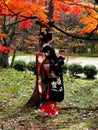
90	71
31	66
64	69
75	69
20	65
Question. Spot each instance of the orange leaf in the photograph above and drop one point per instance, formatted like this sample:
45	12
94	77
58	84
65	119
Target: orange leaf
2	35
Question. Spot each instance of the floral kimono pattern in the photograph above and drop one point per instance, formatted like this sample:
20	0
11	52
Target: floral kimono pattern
47	72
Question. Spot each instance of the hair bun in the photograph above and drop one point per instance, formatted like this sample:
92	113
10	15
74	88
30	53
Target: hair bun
45	37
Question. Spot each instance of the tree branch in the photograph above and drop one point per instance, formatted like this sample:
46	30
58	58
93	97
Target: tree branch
74	36
34	17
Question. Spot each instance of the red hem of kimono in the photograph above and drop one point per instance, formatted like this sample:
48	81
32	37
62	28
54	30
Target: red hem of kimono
48	107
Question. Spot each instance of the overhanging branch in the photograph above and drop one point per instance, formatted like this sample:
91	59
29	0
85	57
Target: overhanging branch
51	24
74	36
34	17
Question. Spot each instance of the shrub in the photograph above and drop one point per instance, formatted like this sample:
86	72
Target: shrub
31	66
20	65
64	68
75	69
90	71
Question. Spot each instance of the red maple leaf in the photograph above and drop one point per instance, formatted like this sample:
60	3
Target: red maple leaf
76	10
0	22
25	24
11	47
65	8
5	49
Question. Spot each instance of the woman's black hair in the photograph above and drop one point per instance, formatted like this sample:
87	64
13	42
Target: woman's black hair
46	37
42	36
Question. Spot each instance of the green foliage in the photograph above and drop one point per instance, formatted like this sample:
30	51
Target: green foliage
20	65
75	69
90	71
80	92
64	68
31	66
16	88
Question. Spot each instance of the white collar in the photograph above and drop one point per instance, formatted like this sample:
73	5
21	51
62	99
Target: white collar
47	44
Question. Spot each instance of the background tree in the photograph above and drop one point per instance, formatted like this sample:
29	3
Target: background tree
16	15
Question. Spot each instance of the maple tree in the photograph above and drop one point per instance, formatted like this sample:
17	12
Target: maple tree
17	15
23	12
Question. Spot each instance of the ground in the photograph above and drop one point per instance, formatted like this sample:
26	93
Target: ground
78	111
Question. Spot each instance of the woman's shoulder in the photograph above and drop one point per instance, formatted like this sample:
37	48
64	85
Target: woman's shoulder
47	48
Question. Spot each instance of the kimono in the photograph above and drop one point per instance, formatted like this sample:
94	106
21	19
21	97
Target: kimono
50	67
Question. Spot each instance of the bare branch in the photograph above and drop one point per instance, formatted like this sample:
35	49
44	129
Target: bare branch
34	17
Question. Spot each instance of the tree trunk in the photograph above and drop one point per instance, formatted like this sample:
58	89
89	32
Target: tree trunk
51	9
13	58
3	60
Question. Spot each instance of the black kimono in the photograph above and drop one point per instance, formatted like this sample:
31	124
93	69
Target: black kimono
54	79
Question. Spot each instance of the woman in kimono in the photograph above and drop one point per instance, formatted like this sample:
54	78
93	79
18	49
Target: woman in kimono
50	68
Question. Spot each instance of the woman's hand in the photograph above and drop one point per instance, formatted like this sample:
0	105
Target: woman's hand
52	74
48	53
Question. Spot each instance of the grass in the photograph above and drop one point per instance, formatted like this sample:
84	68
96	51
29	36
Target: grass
21	53
77	111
